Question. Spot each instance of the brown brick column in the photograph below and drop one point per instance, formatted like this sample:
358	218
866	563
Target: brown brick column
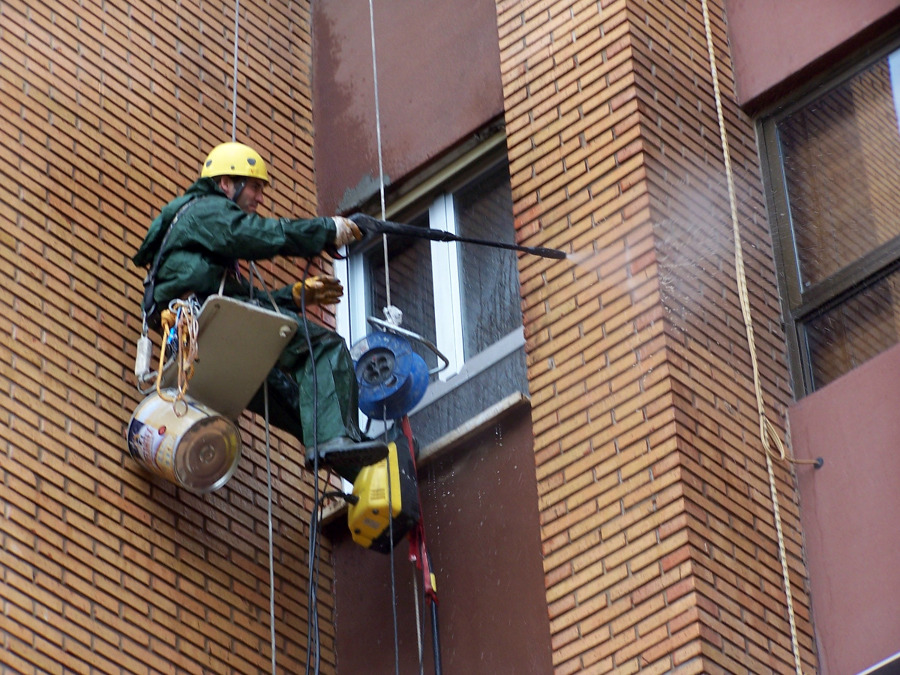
108	109
657	524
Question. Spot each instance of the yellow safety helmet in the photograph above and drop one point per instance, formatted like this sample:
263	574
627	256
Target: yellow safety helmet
234	159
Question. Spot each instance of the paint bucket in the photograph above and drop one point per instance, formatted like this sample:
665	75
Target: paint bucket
186	443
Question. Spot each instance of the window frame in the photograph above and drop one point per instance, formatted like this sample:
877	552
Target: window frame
446	280
801	306
435	195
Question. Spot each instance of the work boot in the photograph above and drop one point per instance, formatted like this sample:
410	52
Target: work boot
343	452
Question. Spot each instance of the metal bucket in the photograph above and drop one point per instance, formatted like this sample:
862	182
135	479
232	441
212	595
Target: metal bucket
186	443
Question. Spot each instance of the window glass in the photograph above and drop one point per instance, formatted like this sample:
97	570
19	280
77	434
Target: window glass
834	171
841	163
854	331
489	276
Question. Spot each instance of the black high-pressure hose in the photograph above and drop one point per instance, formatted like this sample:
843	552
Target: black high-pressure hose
312	616
368	224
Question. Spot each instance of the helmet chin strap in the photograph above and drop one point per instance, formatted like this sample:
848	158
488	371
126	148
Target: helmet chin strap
239	186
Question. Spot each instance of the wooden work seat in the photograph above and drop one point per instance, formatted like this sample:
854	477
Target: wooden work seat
237	345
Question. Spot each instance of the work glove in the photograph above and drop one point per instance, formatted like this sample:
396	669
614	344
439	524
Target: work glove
346	231
319	291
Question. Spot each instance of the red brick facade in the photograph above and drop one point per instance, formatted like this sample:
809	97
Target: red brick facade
658	527
657	524
108	111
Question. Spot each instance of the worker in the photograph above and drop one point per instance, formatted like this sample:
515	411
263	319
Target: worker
216	224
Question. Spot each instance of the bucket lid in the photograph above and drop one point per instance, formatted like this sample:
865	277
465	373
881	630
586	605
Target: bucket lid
207	454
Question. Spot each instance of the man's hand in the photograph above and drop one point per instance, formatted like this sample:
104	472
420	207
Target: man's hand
319	291
346	231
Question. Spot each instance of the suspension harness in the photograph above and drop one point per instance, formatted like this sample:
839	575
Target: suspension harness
150	312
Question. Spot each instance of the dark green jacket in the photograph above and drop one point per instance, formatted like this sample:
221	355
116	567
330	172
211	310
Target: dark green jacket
212	234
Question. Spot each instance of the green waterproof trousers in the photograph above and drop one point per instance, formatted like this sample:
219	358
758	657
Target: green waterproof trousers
313	404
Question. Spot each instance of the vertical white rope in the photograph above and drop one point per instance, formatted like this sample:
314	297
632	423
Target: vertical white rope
234	103
419	642
387	288
387	276
390	515
766	428
234	77
269	509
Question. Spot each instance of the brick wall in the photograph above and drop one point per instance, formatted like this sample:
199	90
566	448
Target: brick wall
107	110
657	527
657	523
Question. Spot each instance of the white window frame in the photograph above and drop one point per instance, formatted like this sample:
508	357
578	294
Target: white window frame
352	317
445	289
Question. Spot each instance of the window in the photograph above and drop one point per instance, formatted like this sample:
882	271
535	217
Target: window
463	298
832	163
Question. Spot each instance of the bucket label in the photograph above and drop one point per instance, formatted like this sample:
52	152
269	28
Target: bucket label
194	448
144	442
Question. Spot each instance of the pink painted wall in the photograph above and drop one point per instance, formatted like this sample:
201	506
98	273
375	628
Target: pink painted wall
850	511
482	527
438	81
775	42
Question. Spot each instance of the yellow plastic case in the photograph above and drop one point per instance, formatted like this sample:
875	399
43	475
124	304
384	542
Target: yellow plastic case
374	518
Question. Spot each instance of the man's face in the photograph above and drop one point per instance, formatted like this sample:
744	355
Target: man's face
250	198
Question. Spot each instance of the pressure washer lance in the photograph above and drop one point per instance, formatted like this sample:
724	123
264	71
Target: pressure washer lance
368	224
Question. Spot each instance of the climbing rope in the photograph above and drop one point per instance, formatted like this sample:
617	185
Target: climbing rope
234	106
767	430
391	313
234	95
179	338
269	523
388	313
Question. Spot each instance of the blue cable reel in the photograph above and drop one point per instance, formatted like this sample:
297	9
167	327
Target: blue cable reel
392	377
392	380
